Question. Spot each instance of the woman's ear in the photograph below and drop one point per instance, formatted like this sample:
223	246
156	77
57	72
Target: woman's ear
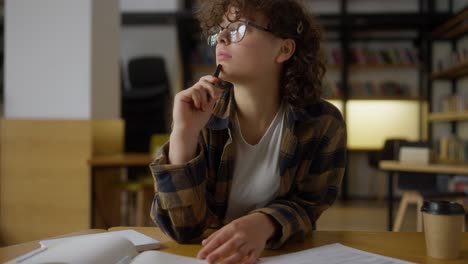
287	49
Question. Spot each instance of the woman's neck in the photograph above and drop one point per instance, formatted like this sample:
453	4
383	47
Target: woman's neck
256	105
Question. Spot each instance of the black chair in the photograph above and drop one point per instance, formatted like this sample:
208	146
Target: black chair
415	187
144	104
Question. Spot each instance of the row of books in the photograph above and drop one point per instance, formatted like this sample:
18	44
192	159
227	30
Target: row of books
454	103
368	56
367	88
203	54
452	59
451	149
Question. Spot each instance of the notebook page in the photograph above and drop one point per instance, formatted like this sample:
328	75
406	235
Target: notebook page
163	257
140	241
331	254
84	250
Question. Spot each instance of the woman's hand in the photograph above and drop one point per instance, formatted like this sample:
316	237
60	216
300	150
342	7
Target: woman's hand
241	241
192	110
194	106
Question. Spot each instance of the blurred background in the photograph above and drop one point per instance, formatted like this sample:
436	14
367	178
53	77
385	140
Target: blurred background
86	90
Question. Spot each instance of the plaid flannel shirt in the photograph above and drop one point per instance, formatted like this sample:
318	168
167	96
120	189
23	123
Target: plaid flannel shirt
191	197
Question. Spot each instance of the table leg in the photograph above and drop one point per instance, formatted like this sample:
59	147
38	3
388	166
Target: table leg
390	200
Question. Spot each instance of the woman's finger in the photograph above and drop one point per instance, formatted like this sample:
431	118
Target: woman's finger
214	91
209	78
239	255
208	239
204	98
226	249
196	97
216	242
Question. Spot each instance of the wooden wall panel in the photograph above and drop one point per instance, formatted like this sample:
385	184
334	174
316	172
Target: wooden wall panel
108	139
45	177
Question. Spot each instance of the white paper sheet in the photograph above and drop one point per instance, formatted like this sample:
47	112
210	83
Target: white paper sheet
331	254
140	241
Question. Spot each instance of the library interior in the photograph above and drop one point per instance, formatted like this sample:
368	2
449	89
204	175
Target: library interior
88	96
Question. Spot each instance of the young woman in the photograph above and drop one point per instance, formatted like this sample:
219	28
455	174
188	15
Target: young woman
262	157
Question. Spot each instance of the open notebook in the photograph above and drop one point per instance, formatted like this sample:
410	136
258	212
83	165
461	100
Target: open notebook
140	241
103	250
119	250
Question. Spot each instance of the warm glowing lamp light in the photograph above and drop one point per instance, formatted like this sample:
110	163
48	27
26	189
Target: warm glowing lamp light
371	122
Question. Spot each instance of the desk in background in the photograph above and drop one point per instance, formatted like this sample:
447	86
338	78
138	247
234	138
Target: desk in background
393	167
408	246
123	161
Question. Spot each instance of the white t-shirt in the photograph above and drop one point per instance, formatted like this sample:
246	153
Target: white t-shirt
256	172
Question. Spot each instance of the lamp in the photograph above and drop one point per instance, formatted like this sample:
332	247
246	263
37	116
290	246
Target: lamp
371	122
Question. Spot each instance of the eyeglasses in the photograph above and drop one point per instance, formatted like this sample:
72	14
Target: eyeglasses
236	31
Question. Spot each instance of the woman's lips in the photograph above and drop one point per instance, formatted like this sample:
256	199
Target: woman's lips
221	55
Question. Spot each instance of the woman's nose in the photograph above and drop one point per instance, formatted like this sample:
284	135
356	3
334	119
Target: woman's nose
223	37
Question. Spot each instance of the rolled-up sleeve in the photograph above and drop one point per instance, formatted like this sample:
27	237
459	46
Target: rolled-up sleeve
314	190
179	206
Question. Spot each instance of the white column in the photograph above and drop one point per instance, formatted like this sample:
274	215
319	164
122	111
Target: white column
62	59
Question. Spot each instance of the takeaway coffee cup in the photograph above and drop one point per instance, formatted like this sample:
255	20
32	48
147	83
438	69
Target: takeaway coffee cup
443	226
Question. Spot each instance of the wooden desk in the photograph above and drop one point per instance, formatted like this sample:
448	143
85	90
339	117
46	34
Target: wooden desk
123	161
394	167
11	252
408	246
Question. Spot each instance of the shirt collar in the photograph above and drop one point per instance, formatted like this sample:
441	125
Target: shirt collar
225	109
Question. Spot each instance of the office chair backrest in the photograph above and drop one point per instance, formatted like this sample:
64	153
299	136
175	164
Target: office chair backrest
391	149
147	71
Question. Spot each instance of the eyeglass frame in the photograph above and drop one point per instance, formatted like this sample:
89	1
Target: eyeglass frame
247	23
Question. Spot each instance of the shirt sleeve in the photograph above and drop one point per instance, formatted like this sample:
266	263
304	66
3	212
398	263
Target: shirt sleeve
313	191
179	206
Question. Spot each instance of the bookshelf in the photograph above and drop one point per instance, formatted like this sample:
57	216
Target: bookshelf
453	27
452	73
448	116
362	67
349	28
392	165
451	70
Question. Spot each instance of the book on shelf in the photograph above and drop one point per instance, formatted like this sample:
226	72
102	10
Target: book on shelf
367	89
452	149
373	57
332	89
454	103
383	88
452	59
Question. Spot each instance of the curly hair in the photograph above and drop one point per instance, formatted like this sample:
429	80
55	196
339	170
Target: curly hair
302	74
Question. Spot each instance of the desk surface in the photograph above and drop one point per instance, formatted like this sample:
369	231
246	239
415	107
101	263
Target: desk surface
126	159
403	245
392	165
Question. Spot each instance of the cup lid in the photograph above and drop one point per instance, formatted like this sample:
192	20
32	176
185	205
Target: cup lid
442	208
